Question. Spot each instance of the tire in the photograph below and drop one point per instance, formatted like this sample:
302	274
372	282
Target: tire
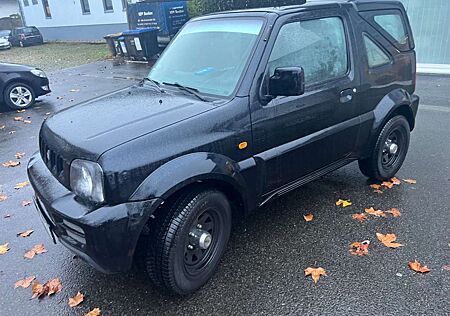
390	150
177	261
18	96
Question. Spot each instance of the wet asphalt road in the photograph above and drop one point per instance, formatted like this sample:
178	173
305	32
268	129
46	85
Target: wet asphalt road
262	271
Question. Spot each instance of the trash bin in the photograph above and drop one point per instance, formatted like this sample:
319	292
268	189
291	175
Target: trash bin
141	44
111	40
121	46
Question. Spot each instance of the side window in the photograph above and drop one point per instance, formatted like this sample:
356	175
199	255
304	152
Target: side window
393	24
375	55
319	46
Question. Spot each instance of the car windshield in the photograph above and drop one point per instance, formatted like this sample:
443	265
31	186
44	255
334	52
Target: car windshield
4	33
208	55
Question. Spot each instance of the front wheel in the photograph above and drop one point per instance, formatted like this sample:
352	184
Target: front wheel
19	96
187	243
389	152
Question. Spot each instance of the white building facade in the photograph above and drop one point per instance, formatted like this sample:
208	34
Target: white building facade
75	20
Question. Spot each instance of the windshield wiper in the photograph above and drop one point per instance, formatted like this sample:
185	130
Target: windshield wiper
189	90
153	82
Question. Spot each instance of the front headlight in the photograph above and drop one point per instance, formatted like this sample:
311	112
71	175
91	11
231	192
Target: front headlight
38	73
86	180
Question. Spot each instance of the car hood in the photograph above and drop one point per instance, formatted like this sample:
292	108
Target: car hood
4	67
90	129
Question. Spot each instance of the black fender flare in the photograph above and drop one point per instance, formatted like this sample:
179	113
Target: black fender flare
188	169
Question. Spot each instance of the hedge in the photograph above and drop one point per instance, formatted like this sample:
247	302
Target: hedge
199	7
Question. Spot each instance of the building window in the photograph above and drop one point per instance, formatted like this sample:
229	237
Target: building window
26	3
47	12
85	7
375	54
124	4
108	5
34	2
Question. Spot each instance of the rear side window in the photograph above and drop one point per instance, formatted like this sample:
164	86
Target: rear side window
375	54
319	46
393	24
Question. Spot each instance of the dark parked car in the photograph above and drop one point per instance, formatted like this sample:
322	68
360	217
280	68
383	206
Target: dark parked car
26	36
241	108
20	85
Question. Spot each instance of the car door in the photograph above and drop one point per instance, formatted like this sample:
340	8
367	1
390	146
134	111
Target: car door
295	136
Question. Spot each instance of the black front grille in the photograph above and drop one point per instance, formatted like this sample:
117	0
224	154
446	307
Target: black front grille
55	163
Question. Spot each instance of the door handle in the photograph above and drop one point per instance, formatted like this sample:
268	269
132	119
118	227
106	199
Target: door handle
347	95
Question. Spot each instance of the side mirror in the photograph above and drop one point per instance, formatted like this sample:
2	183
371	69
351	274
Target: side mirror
287	81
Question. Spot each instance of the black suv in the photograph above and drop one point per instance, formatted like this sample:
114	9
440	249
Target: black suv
26	36
242	107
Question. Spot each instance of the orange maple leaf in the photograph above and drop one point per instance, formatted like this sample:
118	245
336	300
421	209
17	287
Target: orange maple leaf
95	312
4	249
76	300
410	181
36	250
389	240
20	155
388	184
359	248
54	286
3	197
308	217
377	213
359	217
416	266
21	185
37	290
396	181
18	118
315	273
24	283
11	164
394	212
375	186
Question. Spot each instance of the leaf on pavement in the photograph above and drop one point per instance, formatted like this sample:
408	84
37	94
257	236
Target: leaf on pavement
21	111
361	217
3	197
4	249
343	203
26	233
410	181
388	184
36	250
11	164
21	185
20	155
37	289
418	267
375	186
26	203
377	213
25	283
394	212
18	118
95	312
396	181
54	286
76	300
359	248
389	240
315	273
308	217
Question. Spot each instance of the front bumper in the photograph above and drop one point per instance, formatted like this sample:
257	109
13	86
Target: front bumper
6	46
104	236
41	86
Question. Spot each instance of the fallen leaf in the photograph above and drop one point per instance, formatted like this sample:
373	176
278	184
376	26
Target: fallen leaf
26	233
20	155
308	217
21	185
410	181
18	118
388	184
360	217
375	186
396	181
4	249
95	312
377	213
21	111
389	240
315	273
36	250
25	283
343	203
394	212
416	266
11	164
3	197
26	203
359	248
37	289
27	121
53	286
76	300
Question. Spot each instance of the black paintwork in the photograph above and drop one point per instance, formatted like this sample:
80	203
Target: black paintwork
151	145
11	73
29	35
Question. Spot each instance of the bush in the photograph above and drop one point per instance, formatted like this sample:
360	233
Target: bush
199	7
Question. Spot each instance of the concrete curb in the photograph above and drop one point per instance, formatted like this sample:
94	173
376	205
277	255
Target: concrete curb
433	69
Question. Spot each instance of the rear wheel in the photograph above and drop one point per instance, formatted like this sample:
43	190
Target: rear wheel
186	245
19	96
390	150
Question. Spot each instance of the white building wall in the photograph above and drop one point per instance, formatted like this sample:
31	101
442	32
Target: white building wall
8	7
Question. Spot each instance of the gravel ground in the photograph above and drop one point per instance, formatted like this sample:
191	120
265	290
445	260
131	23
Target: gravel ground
56	56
